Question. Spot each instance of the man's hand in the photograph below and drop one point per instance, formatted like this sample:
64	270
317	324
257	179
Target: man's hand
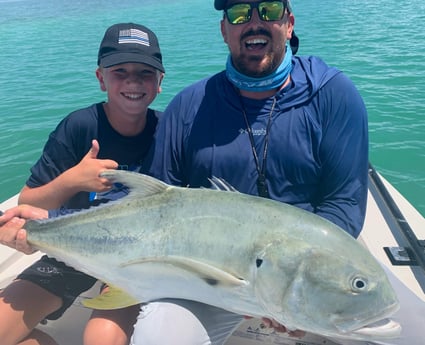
269	323
282	329
12	222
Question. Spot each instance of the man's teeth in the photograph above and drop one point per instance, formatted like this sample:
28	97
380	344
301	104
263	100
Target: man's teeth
256	41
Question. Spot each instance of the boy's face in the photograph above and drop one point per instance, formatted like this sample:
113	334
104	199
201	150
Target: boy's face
131	87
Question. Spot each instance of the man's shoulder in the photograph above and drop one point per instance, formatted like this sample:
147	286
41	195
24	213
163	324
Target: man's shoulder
312	73
312	65
202	91
200	85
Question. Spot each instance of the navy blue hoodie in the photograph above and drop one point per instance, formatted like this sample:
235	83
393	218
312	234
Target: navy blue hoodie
317	156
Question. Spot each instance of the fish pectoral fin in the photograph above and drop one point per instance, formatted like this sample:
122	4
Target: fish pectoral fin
209	273
114	298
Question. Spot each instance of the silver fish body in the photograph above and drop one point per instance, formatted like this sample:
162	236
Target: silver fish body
246	254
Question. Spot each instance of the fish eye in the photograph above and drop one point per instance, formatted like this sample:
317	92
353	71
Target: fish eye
359	284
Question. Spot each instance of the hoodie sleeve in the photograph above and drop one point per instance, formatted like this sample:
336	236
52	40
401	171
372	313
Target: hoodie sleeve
344	155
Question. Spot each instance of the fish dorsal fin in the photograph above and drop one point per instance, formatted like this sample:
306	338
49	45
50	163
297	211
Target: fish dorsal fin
210	274
114	298
221	184
142	185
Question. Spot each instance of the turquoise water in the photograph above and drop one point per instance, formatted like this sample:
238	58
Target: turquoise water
49	52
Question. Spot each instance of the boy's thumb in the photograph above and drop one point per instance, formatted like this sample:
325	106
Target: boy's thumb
94	150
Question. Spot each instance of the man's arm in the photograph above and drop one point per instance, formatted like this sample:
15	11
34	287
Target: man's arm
344	156
12	222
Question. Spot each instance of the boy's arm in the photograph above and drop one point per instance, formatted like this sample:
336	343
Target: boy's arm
82	177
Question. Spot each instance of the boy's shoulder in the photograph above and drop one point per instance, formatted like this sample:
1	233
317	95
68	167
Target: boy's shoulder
88	113
79	123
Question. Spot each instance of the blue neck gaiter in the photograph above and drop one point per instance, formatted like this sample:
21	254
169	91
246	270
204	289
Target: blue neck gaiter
270	82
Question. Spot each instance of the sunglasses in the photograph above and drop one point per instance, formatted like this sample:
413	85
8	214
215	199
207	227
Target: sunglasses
268	11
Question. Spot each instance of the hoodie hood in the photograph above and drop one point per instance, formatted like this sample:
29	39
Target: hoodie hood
308	76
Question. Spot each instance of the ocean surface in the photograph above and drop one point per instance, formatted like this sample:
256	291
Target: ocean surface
49	50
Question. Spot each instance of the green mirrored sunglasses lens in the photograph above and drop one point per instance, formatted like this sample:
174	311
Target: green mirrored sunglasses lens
270	11
239	13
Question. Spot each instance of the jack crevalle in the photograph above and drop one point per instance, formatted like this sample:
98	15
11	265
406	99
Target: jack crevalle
246	254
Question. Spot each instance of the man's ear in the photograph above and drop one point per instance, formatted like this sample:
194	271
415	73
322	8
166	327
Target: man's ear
291	23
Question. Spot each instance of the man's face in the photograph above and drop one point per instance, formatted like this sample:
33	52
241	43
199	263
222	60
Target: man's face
257	47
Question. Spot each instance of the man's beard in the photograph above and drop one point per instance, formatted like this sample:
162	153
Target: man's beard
263	68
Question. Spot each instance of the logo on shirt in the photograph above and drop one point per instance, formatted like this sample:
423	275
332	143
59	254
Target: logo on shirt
255	132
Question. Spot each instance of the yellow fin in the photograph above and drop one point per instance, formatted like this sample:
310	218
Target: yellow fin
114	298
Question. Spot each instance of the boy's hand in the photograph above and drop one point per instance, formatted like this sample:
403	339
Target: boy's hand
86	173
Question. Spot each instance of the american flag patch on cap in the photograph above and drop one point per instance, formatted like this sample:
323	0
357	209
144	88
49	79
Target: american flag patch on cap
133	36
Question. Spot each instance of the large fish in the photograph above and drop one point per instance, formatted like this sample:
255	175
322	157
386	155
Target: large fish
246	254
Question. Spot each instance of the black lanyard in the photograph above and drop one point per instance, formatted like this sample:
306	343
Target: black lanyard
261	181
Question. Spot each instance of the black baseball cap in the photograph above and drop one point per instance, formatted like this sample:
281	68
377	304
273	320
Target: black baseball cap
129	42
221	4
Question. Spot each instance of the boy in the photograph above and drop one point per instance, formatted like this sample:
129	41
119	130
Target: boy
113	134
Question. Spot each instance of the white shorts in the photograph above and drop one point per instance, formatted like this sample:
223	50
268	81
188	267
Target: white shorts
183	322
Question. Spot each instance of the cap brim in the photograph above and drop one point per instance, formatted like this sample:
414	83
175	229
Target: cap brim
121	58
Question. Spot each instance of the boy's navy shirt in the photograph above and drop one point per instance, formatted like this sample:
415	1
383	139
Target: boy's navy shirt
72	139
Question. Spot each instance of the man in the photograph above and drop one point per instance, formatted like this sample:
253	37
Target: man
272	124
285	127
